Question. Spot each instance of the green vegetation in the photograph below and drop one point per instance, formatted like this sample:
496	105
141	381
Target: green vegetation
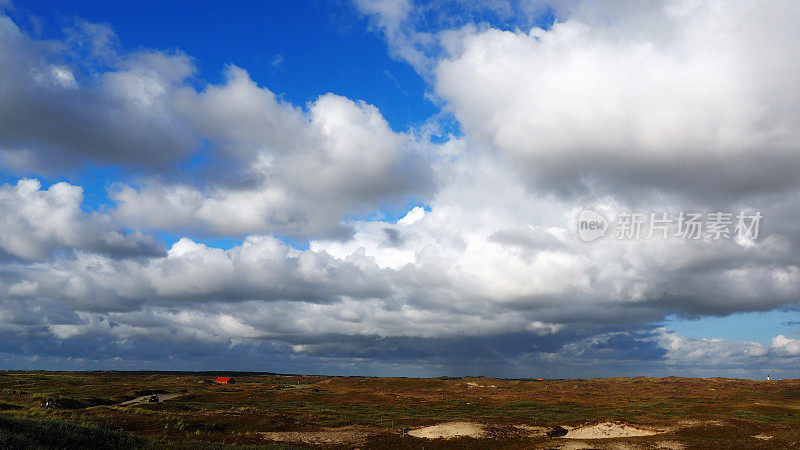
43	433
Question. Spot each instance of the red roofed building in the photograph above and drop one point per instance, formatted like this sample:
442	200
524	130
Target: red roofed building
224	380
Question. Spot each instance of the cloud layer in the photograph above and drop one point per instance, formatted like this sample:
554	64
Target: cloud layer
696	98
681	106
290	172
59	114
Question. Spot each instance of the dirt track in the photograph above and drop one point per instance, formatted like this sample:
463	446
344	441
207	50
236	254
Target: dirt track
144	399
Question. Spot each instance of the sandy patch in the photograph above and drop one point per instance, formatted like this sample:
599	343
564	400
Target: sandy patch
608	430
330	436
670	445
449	430
470	384
763	437
575	446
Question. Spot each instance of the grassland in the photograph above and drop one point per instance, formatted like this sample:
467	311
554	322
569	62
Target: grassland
280	411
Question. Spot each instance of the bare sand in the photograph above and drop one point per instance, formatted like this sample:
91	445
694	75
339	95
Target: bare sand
607	430
449	430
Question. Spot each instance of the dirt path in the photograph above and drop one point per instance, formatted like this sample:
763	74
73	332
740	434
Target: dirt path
145	398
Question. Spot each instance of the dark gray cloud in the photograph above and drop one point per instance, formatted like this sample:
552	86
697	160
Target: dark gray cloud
393	237
54	115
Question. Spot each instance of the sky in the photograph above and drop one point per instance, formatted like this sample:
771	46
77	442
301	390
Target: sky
391	187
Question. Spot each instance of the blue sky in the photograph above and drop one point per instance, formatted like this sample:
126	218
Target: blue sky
759	327
370	186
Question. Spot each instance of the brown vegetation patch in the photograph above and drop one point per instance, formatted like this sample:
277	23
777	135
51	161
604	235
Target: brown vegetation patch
329	436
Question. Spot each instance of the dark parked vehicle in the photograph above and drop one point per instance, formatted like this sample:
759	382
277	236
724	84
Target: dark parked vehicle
153	399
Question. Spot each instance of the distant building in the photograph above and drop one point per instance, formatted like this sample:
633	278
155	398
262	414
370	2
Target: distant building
225	380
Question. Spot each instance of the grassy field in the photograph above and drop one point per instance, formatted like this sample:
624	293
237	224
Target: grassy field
280	412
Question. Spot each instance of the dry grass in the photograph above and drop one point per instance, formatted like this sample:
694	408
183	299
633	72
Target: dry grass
696	413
